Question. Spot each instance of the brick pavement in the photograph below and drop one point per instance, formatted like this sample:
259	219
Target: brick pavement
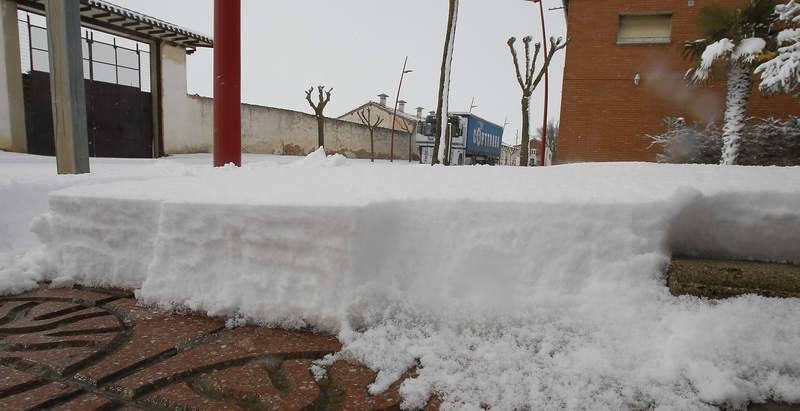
95	349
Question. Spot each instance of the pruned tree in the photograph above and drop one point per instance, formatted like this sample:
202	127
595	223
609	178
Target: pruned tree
782	73
528	79
444	86
319	108
366	119
736	41
411	130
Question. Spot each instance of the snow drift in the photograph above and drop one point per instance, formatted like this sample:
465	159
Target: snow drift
511	287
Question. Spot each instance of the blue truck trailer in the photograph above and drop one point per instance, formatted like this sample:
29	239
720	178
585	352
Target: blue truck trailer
473	140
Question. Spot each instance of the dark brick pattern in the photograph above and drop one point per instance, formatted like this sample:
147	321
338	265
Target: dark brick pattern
96	349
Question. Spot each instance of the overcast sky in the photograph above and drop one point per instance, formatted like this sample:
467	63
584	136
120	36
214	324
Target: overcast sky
357	47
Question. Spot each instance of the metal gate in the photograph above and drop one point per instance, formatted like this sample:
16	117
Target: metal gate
119	105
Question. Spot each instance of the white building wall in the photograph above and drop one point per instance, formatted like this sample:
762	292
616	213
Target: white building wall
188	123
12	105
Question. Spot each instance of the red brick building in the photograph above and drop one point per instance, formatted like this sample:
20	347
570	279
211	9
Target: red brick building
624	74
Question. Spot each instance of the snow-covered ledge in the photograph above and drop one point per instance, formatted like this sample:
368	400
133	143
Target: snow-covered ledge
299	243
546	283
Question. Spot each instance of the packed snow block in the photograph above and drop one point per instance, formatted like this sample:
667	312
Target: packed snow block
283	264
747	225
99	241
496	257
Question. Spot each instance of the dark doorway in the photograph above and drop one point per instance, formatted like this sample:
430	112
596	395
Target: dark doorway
119	105
119	118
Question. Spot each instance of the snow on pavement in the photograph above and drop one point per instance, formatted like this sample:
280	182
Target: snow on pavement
508	287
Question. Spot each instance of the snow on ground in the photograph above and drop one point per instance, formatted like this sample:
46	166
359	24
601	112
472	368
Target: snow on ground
508	287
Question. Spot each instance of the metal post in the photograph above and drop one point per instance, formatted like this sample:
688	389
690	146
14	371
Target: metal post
546	84
227	83
30	41
139	65
116	61
66	85
89	46
394	114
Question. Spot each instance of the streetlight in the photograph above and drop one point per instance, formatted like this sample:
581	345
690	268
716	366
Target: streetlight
394	114
546	82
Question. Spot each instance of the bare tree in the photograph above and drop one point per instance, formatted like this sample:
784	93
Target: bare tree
528	83
366	119
318	110
552	137
411	130
444	85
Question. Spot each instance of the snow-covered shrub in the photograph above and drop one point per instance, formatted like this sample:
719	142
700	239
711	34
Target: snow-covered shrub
771	141
688	144
764	142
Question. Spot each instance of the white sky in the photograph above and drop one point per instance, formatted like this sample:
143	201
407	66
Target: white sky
357	47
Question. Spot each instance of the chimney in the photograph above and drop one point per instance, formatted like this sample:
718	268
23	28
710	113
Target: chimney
383	97
419	112
401	105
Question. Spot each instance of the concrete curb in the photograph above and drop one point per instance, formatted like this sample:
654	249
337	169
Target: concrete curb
723	278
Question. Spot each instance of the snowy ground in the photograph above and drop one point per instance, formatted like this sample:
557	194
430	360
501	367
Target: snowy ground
508	287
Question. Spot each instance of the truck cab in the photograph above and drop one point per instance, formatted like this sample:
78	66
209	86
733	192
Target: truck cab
472	140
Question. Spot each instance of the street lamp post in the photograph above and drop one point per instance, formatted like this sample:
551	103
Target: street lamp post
546	82
394	114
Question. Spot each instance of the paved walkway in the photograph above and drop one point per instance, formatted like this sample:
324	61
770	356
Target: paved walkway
95	349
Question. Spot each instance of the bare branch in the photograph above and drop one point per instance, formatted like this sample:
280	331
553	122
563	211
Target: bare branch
537	49
510	43
308	98
556	46
528	67
362	119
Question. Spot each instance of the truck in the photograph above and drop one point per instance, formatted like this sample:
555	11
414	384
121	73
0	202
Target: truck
473	140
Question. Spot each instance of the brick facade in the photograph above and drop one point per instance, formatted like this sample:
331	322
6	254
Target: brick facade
604	115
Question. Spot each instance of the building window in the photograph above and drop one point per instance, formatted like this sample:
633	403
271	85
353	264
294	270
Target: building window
645	28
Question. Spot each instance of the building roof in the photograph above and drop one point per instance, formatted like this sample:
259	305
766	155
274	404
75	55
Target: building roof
388	110
107	16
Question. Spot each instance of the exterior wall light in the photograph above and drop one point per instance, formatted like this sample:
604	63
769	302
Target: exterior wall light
637	79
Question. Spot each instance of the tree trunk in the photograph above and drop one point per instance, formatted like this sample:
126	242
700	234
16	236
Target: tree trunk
371	146
447	137
740	85
321	130
444	83
526	120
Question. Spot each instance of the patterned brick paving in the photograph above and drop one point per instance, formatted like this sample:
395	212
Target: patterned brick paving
95	349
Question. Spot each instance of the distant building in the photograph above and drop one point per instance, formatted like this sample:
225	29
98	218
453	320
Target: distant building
406	124
624	75
381	109
509	154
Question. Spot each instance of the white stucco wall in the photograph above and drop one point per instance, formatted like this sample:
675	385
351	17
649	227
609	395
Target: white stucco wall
188	123
12	105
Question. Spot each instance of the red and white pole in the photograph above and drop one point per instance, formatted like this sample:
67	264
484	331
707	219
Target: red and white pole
227	83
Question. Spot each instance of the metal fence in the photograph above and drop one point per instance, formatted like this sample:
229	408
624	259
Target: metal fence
106	57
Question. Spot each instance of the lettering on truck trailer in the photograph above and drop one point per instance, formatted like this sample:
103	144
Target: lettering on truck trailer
484	139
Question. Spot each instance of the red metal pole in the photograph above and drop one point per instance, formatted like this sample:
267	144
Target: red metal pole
394	114
227	83
546	85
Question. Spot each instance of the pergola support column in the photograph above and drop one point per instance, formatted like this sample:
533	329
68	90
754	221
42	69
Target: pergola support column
227	83
66	86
